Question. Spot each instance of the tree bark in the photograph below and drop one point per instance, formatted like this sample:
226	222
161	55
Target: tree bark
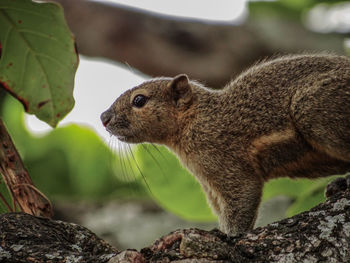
161	45
26	238
19	184
319	235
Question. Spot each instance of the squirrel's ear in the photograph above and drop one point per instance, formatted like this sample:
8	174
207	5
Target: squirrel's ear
180	89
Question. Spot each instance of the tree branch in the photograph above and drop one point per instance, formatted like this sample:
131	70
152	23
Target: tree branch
26	238
161	45
18	181
319	235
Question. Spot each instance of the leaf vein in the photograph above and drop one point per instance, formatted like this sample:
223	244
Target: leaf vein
26	31
51	58
4	45
13	25
23	68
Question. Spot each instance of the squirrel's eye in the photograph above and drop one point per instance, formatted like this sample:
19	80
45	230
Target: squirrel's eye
139	101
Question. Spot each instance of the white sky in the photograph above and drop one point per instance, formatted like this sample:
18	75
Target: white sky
219	10
98	82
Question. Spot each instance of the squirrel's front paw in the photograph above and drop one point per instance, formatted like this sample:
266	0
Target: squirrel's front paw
338	185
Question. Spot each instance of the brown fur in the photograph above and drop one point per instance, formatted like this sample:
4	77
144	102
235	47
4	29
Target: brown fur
285	117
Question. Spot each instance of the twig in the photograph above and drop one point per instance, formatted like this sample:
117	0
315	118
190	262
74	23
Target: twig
21	188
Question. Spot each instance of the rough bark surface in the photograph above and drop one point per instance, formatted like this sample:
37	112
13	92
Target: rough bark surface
21	188
161	45
319	235
26	238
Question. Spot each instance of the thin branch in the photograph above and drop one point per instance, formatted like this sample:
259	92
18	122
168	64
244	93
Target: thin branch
16	177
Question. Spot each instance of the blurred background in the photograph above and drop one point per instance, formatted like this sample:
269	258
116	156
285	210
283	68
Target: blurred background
132	195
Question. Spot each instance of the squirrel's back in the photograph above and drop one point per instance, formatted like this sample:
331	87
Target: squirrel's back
293	70
262	96
272	108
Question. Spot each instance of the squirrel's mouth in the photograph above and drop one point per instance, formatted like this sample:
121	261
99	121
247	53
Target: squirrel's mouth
125	138
122	138
123	135
128	139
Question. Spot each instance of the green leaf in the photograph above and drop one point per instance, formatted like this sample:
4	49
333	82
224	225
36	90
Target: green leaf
171	185
306	193
297	4
285	186
311	197
38	58
306	202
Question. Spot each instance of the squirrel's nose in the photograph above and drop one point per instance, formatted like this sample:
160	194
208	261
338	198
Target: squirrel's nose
106	117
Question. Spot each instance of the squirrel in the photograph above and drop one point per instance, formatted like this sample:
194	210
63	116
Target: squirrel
285	117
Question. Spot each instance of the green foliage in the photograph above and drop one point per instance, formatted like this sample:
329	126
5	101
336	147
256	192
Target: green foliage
305	193
38	62
285	186
297	4
171	185
284	9
38	58
309	198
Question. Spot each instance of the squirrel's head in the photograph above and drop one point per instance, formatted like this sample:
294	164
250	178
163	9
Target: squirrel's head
150	111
